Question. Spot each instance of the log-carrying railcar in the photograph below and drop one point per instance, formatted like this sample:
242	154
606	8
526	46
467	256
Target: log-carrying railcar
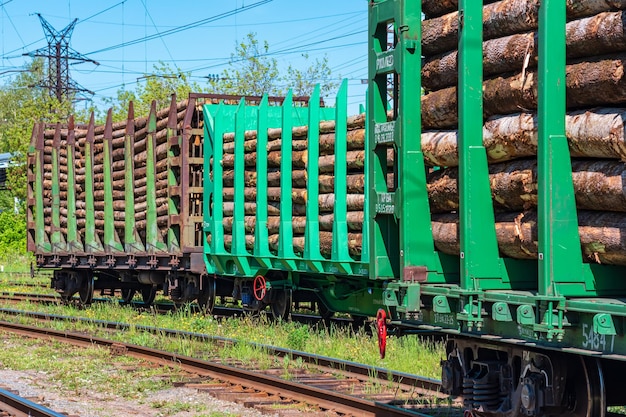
524	271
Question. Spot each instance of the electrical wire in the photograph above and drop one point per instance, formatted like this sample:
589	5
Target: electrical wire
182	28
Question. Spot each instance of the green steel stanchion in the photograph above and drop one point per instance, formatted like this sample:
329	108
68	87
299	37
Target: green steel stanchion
56	237
74	243
92	240
312	253
174	168
238	249
111	240
285	238
132	241
261	235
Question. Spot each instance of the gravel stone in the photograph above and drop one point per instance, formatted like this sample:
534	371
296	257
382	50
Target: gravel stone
38	387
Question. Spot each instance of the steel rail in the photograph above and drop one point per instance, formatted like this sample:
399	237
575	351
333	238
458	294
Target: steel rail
326	399
403	378
21	407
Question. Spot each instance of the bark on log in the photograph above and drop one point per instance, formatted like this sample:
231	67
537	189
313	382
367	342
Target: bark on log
354	221
354	243
598	185
355	140
326	202
601	235
328	126
600	34
503	18
355	182
590	83
597	133
575	8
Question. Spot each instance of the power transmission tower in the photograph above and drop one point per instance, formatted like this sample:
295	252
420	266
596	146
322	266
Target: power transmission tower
59	53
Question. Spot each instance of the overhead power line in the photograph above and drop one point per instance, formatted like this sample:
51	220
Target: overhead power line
182	28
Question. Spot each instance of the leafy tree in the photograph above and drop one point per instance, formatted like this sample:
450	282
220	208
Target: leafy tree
303	82
160	85
21	106
12	232
253	73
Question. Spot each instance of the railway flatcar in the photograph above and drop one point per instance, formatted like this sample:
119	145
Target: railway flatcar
116	206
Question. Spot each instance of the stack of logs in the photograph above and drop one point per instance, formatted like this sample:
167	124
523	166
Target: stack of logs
596	76
596	88
118	168
326	201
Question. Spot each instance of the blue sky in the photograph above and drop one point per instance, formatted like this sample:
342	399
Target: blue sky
113	32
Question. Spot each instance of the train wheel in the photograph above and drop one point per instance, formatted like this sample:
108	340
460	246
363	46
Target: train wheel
281	304
206	299
85	291
128	294
586	393
148	292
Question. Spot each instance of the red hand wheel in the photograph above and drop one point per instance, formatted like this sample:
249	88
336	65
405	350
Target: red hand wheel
381	325
259	287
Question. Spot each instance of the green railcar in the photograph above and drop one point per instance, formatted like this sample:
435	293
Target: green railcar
542	334
263	168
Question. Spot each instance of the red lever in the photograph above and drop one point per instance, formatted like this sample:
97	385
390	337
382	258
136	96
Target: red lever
381	325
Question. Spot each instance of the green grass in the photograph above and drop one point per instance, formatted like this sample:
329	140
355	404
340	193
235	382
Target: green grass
406	354
78	370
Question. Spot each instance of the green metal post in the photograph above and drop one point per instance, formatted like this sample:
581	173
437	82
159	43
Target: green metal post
365	247
41	238
173	174
479	246
132	241
73	242
92	240
285	242
215	165
400	218
312	228
154	241
261	235
238	248
111	240
56	238
560	256
340	253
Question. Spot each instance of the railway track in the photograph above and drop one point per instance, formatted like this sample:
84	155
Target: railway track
345	392
13	405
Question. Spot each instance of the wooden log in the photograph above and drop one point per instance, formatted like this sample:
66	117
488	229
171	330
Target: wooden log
601	235
434	8
355	182
354	243
597	133
355	159
327	126
601	81
355	141
354	221
503	18
326	202
600	34
598	185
